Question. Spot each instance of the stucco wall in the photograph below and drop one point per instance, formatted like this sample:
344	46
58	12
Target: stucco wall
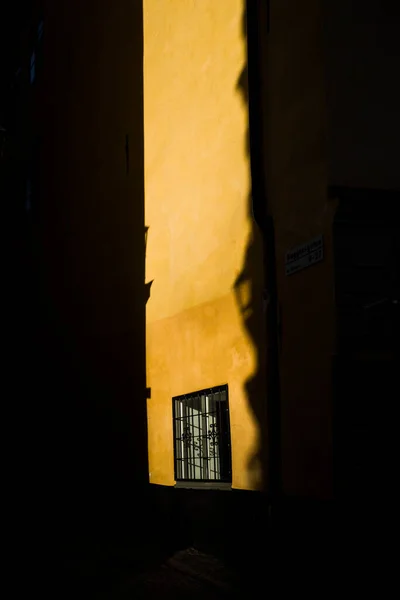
196	208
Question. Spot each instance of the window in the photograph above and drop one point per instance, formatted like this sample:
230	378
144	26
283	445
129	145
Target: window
202	443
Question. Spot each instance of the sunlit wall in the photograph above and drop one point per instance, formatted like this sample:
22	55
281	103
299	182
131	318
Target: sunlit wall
196	207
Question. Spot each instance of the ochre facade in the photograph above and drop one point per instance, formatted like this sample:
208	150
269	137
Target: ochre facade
201	232
197	181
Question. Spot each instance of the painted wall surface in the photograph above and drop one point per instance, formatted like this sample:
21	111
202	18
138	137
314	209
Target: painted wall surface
296	172
196	208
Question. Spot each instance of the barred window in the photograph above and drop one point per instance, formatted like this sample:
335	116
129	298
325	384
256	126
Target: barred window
202	443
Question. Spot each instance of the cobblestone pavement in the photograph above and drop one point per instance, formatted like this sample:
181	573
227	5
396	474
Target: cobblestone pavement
186	573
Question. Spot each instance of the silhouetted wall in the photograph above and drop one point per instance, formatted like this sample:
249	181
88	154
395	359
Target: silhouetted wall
295	148
85	322
362	51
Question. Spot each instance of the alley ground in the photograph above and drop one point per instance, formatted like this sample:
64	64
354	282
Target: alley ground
295	564
187	573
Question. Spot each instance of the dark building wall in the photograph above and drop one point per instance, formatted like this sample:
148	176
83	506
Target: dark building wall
295	170
366	244
362	51
80	346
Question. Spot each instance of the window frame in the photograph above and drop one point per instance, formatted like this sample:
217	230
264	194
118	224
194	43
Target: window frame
224	440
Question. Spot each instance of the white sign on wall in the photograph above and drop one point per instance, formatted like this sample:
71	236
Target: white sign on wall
304	256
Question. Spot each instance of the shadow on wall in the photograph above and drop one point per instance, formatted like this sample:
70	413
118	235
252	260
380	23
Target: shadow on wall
248	546
249	288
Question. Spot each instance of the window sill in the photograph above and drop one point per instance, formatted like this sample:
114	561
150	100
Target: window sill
203	485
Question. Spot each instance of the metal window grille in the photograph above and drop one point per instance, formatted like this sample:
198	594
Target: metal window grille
202	442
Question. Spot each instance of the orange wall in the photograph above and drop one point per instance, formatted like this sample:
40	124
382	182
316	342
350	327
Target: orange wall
200	236
196	188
